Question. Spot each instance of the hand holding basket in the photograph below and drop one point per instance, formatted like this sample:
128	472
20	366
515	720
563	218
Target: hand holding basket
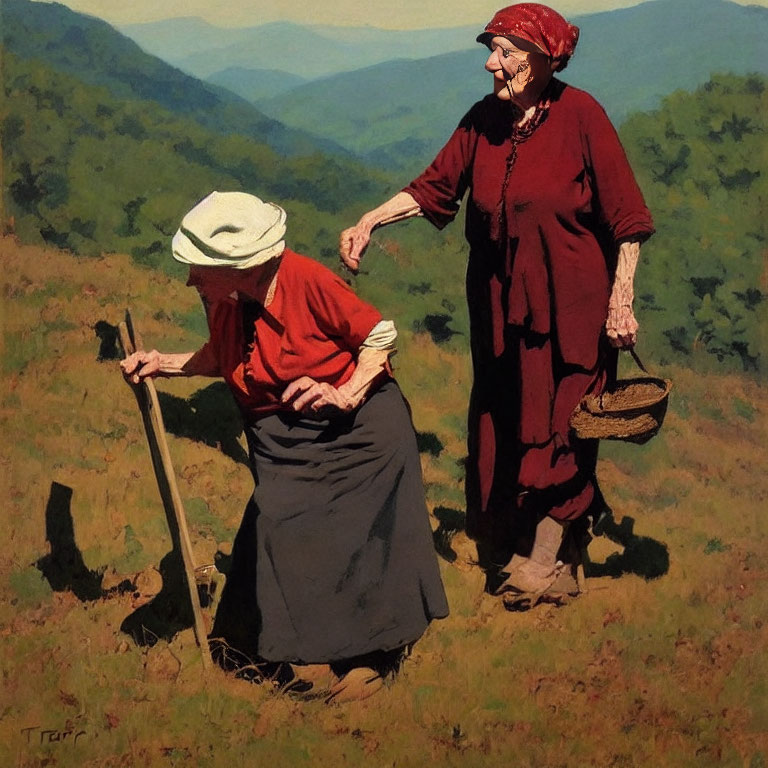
629	409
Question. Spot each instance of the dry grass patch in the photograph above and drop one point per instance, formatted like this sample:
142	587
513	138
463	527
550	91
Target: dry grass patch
664	671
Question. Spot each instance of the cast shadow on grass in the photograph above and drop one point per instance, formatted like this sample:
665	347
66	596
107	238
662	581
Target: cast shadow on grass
64	568
451	521
109	337
210	416
429	442
169	611
642	555
436	325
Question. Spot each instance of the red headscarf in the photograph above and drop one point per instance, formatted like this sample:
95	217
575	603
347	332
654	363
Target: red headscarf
537	24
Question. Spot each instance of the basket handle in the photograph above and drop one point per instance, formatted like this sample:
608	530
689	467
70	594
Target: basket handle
612	370
637	360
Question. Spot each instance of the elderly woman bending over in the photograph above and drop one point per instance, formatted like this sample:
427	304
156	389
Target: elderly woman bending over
333	563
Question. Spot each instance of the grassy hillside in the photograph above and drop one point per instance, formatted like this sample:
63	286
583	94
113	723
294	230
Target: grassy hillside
90	172
667	671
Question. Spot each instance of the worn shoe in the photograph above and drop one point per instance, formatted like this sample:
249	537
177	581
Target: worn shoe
358	684
311	681
526	575
530	584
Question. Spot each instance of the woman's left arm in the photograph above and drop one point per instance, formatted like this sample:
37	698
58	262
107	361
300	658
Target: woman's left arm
314	397
624	212
620	200
358	328
620	325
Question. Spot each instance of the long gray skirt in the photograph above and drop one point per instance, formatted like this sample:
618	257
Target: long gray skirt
334	557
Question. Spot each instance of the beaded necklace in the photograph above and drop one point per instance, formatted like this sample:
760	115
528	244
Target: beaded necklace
522	130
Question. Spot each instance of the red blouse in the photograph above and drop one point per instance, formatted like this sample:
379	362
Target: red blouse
314	327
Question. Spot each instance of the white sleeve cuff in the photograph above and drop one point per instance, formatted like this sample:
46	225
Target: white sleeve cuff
382	336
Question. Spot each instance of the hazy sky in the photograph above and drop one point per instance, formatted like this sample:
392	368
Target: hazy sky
394	14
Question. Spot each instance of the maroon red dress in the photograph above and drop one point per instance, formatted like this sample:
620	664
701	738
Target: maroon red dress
546	211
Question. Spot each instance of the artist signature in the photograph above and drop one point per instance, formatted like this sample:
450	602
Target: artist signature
51	735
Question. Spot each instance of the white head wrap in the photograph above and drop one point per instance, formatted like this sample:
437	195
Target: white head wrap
230	229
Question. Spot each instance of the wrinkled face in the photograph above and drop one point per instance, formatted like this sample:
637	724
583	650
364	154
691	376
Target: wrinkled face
217	283
524	72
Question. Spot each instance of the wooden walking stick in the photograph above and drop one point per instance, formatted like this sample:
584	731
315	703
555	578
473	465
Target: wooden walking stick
149	405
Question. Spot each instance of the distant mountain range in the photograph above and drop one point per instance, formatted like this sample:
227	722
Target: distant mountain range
630	58
95	53
104	146
393	113
256	84
202	49
409	89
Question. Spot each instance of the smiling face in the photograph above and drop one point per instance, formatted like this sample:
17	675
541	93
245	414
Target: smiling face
520	71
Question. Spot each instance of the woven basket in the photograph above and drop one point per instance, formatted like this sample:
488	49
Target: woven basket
632	410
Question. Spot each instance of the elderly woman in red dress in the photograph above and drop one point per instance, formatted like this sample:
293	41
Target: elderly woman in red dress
333	569
554	222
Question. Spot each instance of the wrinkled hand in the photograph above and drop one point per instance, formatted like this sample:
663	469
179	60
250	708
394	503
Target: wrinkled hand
352	245
141	364
314	398
621	327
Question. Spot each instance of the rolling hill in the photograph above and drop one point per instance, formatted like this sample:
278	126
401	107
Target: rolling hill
256	84
92	51
396	114
90	172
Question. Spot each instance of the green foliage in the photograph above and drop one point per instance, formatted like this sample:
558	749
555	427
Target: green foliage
743	409
701	161
91	173
701	285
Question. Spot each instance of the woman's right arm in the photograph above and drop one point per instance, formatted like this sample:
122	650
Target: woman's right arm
435	194
354	241
142	364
